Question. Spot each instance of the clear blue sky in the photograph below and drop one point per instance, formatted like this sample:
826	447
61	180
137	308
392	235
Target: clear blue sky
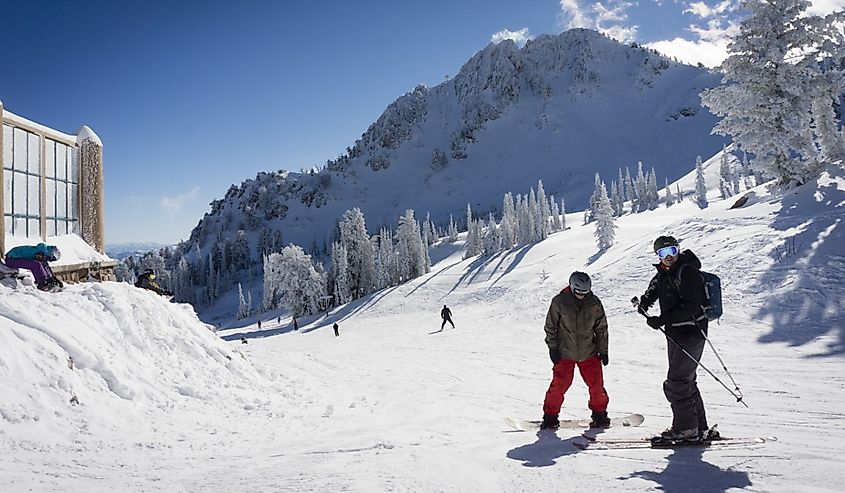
190	97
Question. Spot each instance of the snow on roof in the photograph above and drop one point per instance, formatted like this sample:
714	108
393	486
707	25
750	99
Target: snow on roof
8	115
74	249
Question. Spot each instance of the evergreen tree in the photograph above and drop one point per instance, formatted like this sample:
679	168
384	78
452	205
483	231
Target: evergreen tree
243	311
640	186
605	226
555	214
651	190
700	186
562	215
589	214
630	195
340	288
725	178
621	186
770	78
670	200
543	212
616	198
290	275
409	246
360	254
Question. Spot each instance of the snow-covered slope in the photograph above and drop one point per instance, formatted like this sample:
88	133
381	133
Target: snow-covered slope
395	405
559	109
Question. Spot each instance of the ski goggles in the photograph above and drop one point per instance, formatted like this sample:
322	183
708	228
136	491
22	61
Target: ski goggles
669	251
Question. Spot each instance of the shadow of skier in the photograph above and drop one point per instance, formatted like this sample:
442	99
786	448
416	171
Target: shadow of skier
686	471
544	451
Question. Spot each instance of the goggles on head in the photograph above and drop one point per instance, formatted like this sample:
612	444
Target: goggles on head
669	251
579	292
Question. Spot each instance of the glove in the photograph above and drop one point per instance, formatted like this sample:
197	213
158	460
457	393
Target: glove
554	354
655	322
603	358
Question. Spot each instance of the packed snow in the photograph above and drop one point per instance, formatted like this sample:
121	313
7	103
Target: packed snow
163	403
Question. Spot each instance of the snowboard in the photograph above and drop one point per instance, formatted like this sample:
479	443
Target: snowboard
523	425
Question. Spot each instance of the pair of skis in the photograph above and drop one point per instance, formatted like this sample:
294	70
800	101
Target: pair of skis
594	443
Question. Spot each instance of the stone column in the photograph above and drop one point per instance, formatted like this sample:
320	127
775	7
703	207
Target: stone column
91	202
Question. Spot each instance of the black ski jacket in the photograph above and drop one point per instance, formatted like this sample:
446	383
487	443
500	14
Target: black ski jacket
681	296
446	313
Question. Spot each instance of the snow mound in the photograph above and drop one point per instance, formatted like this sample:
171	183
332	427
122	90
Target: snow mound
110	350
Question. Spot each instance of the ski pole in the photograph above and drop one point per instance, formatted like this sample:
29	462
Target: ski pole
736	385
644	313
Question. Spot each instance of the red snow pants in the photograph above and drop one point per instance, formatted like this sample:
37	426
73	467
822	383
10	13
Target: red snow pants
562	374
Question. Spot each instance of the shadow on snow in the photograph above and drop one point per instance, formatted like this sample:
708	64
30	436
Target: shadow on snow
686	471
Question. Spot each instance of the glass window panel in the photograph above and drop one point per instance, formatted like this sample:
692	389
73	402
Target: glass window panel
73	164
51	198
19	191
7	146
61	199
7	192
51	227
20	226
34	154
61	162
50	156
73	212
34	228
19	151
9	224
34	195
74	227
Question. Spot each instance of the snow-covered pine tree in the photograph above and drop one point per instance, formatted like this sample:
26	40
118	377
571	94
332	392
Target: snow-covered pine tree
826	97
700	186
242	309
543	212
292	274
735	176
555	214
615	198
360	254
562	215
453	230
340	274
492	242
670	199
678	195
640	189
770	77
746	171
409	247
589	213
508	225
386	262
630	194
621	184
534	213
651	190
605	226
725	178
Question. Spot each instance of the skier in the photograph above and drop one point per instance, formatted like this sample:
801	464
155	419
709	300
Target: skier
679	288
576	334
279	321
147	281
446	315
259	324
295	325
35	258
335	329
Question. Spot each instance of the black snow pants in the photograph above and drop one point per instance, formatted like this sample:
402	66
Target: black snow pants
680	386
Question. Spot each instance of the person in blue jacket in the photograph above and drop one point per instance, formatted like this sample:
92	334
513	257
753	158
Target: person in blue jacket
35	259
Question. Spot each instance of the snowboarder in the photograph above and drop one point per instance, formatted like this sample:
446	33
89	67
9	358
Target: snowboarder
35	258
335	329
446	315
679	288
147	281
576	334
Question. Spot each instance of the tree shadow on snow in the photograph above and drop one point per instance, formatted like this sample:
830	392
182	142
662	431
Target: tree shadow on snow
811	265
544	451
686	471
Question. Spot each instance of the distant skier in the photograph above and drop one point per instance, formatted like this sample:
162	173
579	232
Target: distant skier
680	292
35	259
576	334
259	324
295	325
279	321
446	315
336	333
147	281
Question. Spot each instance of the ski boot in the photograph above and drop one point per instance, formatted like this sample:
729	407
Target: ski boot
550	422
672	436
600	420
710	434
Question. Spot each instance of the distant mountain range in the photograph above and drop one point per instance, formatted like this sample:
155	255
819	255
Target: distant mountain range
120	251
559	109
